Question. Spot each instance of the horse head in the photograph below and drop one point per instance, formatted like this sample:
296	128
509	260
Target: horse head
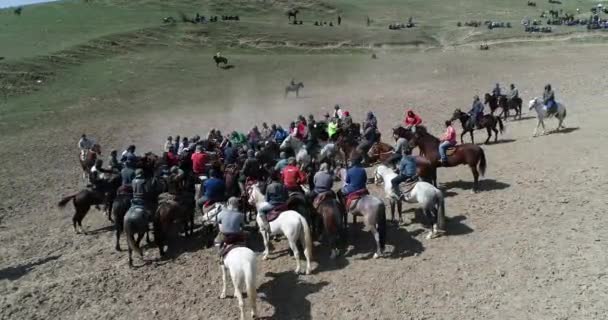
534	103
487	98
457	114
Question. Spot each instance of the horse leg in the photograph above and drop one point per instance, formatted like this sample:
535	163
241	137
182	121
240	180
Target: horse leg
489	130
535	133
399	209
374	231
223	269
495	134
472	137
461	136
236	282
307	254
296	252
266	238
542	122
118	227
392	204
475	177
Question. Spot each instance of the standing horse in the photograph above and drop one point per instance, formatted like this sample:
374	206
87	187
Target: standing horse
379	152
469	154
87	161
135	222
292	13
331	216
289	223
121	205
541	113
299	149
241	264
507	104
492	101
383	173
172	212
487	121
294	88
373	211
433	206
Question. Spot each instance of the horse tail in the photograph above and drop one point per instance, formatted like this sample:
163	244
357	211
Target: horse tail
482	162
307	236
382	225
128	229
65	200
501	127
250	282
440	211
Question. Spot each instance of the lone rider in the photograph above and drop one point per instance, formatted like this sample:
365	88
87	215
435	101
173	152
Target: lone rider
407	171
84	145
412	120
476	111
447	140
549	99
496	91
293	177
293	82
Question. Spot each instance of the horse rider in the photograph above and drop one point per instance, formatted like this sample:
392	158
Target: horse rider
84	145
293	82
332	128
127	174
140	189
370	121
230	154
213	190
356	178
338	113
251	169
128	157
513	93
400	145
279	134
253	137
549	99
476	111
199	161
230	222
168	144
323	182
496	91
293	177
276	194
183	146
407	171
412	120
113	162
370	134
282	163
96	176
447	140
238	139
347	120
267	133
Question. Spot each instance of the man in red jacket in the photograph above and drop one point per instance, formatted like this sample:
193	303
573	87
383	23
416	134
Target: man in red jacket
412	119
293	177
199	161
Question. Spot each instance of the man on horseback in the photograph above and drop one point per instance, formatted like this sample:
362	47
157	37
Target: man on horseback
447	140
347	121
338	113
212	191
279	134
293	177
513	93
476	112
356	177
199	161
496	91
128	156
84	145
140	189
113	162
370	135
332	128
549	100
251	169
400	145
230	222
407	171
127	175
412	120
276	194
96	177
282	163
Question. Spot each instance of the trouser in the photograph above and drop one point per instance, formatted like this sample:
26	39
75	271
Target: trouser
394	158
397	181
442	149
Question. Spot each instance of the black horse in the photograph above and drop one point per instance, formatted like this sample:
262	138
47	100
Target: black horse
488	121
219	60
292	13
507	104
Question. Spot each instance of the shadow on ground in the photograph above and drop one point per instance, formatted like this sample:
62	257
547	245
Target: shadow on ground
18	271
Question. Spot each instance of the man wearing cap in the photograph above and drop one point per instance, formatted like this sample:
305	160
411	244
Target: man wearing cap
293	177
276	193
230	222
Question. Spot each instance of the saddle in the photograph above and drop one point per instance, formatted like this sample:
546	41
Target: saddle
276	212
320	198
353	198
450	151
124	190
408	185
232	241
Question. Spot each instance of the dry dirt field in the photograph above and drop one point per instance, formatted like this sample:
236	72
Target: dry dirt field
531	245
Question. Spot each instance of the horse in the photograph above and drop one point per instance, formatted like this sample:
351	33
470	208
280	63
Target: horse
468	153
380	152
492	101
135	222
292	13
487	121
295	88
121	205
329	211
240	262
541	113
433	206
373	211
172	211
299	149
383	173
86	198
87	161
289	223
507	104
219	60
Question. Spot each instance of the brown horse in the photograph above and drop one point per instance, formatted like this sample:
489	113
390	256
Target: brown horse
172	212
380	152
469	154
329	211
487	121
86	198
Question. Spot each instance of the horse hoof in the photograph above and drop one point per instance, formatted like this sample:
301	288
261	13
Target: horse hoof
376	256
223	296
264	257
308	272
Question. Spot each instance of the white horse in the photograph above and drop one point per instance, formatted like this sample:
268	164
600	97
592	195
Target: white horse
298	147
383	173
241	264
433	206
290	223
541	113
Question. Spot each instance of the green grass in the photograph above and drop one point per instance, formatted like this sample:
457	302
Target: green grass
93	57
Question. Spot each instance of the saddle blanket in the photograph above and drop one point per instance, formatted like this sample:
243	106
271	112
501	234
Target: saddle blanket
353	198
276	212
322	197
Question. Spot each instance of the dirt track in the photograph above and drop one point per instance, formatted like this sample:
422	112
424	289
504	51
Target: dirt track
530	246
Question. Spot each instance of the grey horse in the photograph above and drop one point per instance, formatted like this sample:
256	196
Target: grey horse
135	222
373	211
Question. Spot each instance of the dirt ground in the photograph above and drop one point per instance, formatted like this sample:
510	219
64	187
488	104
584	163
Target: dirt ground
531	245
